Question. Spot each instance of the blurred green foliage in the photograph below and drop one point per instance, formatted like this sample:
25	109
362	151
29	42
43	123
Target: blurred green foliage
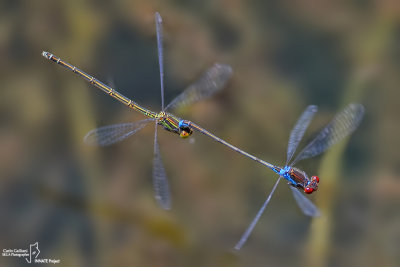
95	207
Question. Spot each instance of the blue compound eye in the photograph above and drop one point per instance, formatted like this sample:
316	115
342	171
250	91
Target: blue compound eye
182	124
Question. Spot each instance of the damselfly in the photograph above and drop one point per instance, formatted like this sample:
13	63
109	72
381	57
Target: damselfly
212	80
342	124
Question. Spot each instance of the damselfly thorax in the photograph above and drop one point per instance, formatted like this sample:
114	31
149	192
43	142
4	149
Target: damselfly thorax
172	124
298	178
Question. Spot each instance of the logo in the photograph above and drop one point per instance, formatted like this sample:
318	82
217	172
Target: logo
30	255
33	251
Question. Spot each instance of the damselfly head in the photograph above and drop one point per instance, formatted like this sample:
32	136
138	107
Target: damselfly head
184	129
312	185
184	133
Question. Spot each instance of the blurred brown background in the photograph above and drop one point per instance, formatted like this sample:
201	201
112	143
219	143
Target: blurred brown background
94	206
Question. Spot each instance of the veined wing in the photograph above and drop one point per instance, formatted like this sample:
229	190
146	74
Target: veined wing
249	229
306	206
111	134
342	125
298	130
214	79
160	181
159	30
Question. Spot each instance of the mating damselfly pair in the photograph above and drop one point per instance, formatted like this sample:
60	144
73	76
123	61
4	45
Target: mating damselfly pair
214	79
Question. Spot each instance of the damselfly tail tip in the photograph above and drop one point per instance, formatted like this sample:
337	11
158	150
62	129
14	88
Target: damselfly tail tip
46	54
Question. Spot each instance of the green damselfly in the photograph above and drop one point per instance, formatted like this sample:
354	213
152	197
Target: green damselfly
214	79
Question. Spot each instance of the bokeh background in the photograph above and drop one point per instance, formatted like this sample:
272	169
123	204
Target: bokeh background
95	207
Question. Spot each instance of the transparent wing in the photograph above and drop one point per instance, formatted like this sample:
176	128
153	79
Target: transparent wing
249	229
298	130
306	206
159	30
214	79
342	125
111	134
160	181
